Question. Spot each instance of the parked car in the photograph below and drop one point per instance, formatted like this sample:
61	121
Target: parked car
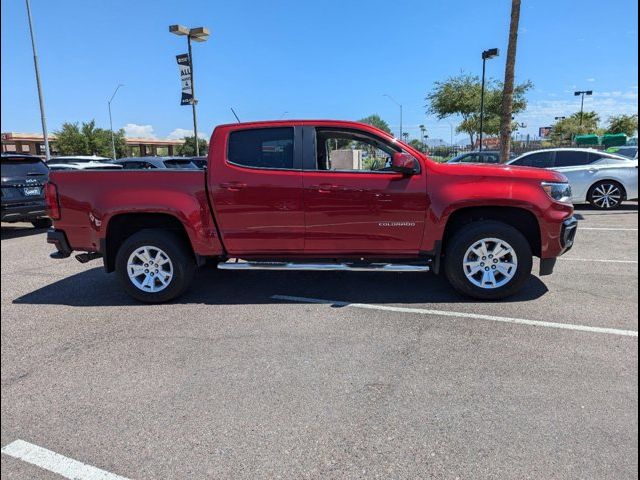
287	195
602	179
485	156
23	179
147	163
200	162
81	162
627	151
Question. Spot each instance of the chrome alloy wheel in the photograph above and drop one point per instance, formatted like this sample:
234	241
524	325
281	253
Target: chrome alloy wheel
150	269
607	195
490	263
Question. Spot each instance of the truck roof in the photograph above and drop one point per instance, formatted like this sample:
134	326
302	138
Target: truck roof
290	122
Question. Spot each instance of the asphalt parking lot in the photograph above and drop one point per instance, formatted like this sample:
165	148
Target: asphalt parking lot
325	375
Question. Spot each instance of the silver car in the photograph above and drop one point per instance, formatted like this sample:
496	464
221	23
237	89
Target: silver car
602	179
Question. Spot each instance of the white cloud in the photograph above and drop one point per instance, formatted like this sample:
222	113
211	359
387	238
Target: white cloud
591	80
138	131
606	104
180	133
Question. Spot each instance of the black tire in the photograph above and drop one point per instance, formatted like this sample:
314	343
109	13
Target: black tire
41	223
615	201
181	261
466	237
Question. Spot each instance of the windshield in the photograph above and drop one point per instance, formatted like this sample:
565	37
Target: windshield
23	168
62	160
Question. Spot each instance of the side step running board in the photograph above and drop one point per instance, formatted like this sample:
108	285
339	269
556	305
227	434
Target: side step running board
343	267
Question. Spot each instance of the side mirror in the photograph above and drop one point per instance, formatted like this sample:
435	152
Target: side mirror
403	163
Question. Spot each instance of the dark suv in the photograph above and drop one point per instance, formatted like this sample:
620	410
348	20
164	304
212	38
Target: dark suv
23	179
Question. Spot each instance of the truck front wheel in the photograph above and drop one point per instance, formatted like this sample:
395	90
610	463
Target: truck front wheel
154	266
488	260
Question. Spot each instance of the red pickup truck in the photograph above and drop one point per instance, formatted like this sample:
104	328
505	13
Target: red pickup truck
314	195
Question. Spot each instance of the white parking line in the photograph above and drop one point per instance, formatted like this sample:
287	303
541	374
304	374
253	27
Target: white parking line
475	316
56	463
609	229
597	260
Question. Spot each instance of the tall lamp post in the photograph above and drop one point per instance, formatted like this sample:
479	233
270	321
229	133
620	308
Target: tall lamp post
450	133
197	34
113	141
582	93
36	64
486	55
399	105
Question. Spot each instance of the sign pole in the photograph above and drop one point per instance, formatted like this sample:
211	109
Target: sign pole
193	100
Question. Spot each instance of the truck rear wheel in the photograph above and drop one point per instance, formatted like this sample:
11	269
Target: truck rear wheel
154	266
488	260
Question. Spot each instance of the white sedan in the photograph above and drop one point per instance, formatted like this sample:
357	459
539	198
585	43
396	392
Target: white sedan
602	179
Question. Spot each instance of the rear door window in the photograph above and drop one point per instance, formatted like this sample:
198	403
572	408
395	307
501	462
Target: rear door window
267	148
572	158
538	160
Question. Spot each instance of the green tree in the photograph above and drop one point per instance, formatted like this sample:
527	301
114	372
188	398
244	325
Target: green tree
418	145
460	96
566	129
627	124
86	139
188	148
377	122
69	140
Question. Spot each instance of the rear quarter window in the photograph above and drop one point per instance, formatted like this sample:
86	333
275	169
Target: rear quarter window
572	159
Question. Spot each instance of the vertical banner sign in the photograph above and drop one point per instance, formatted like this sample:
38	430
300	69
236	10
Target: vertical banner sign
184	65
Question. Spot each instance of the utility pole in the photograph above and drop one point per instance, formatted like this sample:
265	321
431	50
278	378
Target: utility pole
43	117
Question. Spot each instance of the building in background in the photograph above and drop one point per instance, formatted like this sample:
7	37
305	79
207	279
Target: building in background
33	143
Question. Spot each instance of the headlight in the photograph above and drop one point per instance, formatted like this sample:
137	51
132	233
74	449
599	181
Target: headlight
560	192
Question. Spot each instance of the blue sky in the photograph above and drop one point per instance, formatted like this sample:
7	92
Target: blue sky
330	59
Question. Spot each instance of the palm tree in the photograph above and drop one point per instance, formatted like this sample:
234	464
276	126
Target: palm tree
423	136
406	136
509	78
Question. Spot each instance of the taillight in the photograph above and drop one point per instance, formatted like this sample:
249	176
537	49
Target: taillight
51	201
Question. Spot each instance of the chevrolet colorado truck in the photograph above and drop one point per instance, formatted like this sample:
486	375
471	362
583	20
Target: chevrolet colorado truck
314	195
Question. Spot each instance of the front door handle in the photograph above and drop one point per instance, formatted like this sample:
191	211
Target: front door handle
233	186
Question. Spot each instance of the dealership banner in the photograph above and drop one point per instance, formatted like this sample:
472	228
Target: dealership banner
184	65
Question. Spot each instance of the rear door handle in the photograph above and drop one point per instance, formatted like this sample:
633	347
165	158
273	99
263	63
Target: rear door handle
233	186
325	187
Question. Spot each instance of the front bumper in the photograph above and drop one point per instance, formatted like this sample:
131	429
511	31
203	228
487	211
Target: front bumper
23	212
59	239
568	234
567	239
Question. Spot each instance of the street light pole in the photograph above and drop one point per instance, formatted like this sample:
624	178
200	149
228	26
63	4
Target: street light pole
487	54
582	93
198	34
113	141
399	105
43	118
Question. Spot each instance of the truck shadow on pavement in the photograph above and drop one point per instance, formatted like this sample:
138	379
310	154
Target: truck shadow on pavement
93	288
9	232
